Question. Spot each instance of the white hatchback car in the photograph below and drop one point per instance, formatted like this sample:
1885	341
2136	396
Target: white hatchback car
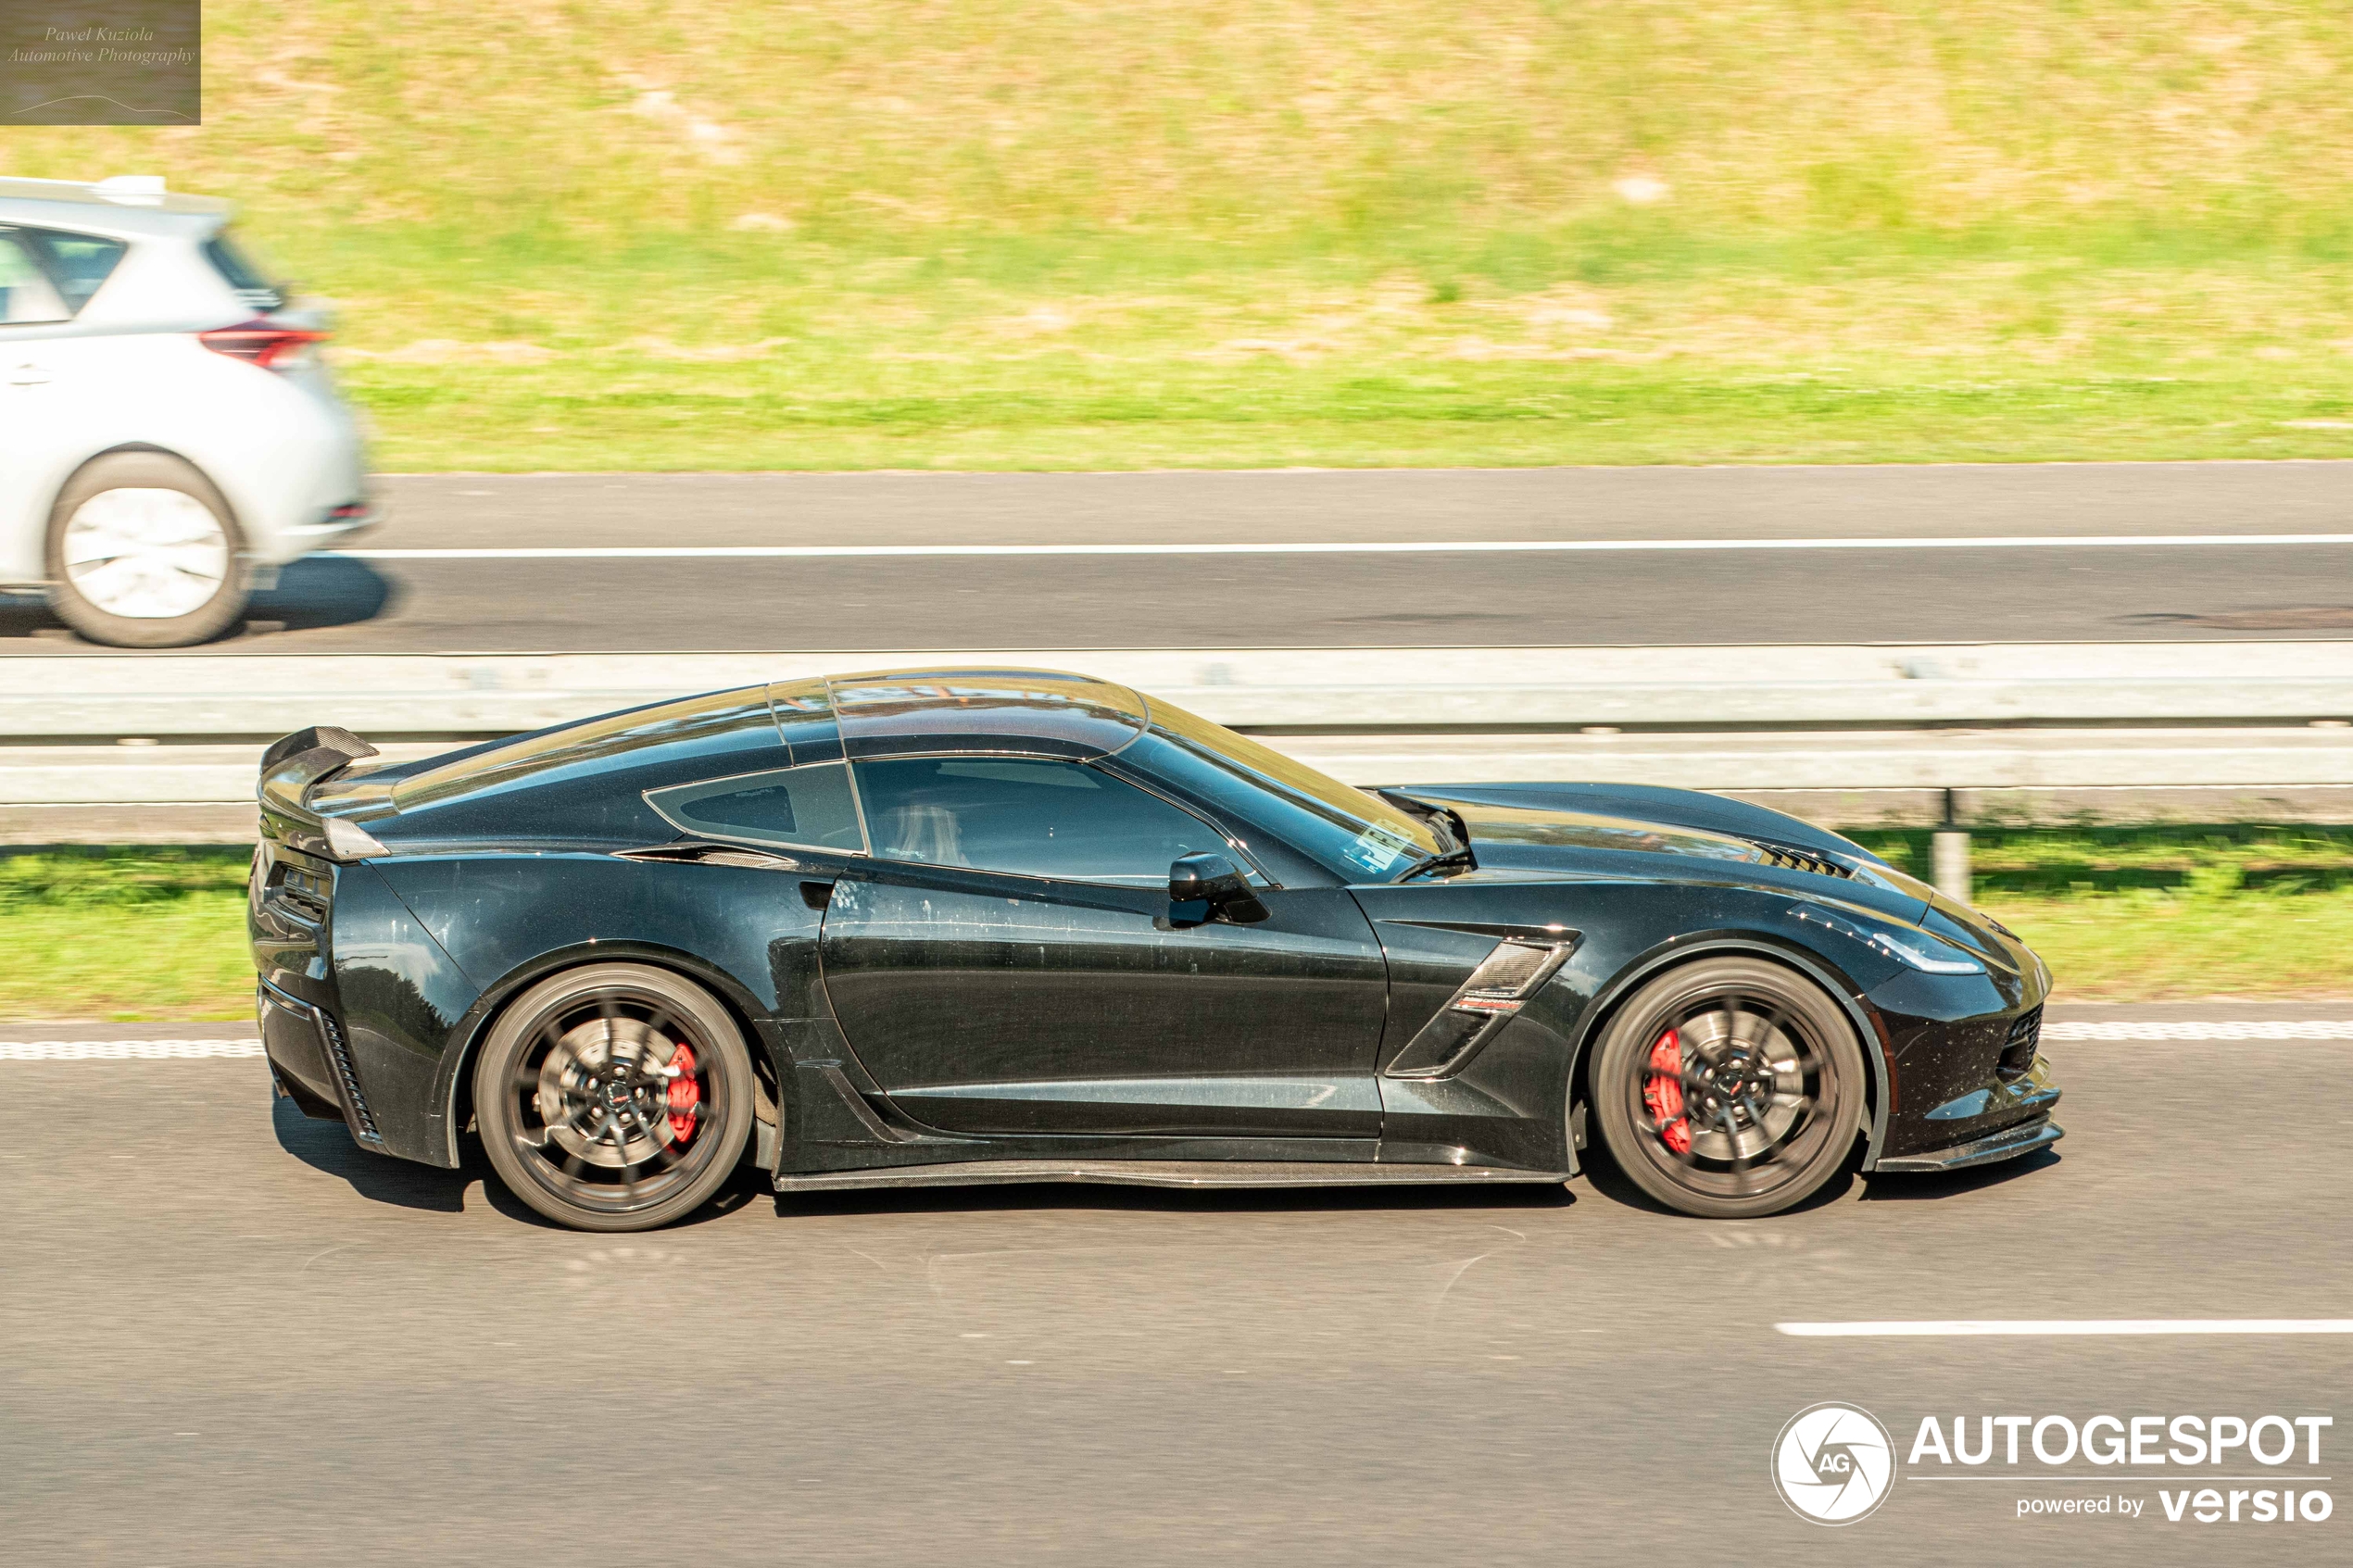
167	435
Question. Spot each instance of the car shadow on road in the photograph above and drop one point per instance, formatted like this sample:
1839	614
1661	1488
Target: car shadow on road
322	591
1851	1184
1912	1187
312	594
327	1146
1023	1197
1610	1182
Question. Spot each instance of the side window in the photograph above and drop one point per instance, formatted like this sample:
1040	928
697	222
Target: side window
80	263
26	294
1028	816
807	807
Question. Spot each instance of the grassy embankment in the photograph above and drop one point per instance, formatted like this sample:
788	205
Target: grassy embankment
960	234
2139	914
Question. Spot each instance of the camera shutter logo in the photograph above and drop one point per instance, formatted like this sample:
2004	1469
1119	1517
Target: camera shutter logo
1833	1463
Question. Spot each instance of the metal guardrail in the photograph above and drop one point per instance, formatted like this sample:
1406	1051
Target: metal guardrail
1841	733
228	695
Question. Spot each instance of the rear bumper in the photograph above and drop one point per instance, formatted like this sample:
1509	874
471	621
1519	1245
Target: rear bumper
311	1061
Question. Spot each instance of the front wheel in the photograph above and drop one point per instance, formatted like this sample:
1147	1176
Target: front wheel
1729	1088
615	1097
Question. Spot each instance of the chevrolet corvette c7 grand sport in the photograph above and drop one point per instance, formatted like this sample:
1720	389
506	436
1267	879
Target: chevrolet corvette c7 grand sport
958	925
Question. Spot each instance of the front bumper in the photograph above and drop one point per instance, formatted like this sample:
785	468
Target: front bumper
2008	1144
2020	1107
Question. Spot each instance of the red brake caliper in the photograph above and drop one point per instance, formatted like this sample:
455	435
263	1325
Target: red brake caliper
1662	1094
685	1093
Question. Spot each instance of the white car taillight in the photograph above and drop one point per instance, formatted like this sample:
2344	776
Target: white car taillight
263	343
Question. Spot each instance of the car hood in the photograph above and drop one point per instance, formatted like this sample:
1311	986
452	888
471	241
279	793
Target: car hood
1719	814
1512	841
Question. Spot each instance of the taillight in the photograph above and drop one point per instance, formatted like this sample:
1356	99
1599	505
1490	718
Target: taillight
261	343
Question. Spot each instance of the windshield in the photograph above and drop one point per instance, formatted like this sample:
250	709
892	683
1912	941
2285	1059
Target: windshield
1359	834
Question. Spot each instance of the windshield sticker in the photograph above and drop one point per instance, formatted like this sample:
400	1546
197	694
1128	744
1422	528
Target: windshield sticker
1377	848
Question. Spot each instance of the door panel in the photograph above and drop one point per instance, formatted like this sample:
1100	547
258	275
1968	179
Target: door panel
991	1003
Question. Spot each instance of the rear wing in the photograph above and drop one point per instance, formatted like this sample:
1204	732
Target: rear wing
290	769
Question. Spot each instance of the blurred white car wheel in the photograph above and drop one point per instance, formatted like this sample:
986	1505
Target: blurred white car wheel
142	552
146	554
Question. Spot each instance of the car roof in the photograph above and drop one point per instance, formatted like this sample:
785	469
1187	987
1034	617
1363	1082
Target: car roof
888	712
74	205
878	714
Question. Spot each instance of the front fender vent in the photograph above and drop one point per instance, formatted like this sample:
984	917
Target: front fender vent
1490	998
1791	859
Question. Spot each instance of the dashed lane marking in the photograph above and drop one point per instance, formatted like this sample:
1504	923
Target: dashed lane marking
123	1050
2267	1030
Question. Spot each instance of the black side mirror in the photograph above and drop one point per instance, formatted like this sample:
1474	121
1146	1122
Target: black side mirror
1206	887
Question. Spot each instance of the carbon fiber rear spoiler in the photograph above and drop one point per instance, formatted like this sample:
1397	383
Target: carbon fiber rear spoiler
290	769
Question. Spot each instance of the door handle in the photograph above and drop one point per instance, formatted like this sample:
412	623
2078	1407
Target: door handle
27	374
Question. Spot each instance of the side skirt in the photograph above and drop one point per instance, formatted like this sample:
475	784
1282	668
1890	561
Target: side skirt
1166	1174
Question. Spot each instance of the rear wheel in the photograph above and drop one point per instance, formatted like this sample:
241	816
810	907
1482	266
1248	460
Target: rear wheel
1730	1089
615	1097
142	552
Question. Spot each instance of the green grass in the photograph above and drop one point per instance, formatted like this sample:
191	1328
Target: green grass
2169	914
2127	914
125	935
952	233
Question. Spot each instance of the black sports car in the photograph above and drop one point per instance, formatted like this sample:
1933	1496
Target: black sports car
983	925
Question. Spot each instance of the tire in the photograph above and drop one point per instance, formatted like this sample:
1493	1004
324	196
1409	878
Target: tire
581	1127
144	553
1729	1088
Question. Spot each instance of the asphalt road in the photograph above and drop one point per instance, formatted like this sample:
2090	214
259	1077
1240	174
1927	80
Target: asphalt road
2105	593
232	1337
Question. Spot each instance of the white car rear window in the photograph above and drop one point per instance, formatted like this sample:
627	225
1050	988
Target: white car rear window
26	292
241	273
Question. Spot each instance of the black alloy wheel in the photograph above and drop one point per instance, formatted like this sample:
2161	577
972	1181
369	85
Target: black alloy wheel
1730	1089
615	1097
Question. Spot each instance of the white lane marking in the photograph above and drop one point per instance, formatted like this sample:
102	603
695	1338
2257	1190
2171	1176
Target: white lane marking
1387	547
122	1050
1958	1327
2087	1030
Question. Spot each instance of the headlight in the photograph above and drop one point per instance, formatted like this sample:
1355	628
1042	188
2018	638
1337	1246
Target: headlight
1913	950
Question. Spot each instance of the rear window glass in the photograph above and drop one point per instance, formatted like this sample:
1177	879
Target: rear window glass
26	292
809	807
241	273
78	263
700	725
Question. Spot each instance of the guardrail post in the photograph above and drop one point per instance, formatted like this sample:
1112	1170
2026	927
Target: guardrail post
1949	857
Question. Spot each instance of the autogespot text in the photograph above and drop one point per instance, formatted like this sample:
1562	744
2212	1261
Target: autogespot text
2179	1441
